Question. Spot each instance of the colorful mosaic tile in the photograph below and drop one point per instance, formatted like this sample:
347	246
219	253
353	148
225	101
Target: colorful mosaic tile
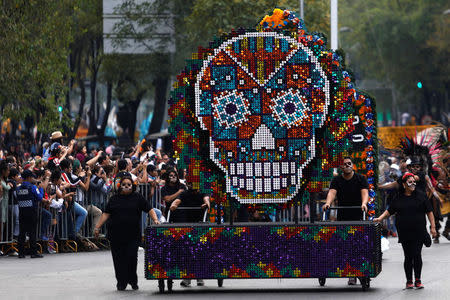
263	251
264	116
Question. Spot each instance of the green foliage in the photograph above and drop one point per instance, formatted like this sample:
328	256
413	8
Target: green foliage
196	22
403	42
34	40
210	18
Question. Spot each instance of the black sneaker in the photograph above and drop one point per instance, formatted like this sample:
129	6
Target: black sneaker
21	256
37	255
121	287
135	287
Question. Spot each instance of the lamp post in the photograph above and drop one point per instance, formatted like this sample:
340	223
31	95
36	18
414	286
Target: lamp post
302	12
334	24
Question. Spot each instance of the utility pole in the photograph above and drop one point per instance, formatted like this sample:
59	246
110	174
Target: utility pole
334	24
302	7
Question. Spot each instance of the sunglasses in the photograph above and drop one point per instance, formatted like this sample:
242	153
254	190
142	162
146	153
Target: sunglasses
126	184
347	164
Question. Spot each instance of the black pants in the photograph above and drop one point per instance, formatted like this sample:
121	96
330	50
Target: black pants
413	259
124	256
27	224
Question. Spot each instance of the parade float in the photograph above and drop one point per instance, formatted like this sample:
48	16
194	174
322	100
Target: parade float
259	120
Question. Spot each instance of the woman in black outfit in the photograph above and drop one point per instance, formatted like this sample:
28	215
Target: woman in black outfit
171	193
410	208
125	211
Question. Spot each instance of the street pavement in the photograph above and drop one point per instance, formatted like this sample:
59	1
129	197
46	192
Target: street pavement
91	276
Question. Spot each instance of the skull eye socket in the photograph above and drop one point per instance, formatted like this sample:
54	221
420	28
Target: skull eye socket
289	108
231	109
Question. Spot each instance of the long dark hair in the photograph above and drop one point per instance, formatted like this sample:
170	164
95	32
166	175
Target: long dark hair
3	167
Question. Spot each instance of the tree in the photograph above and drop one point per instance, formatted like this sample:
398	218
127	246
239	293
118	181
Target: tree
195	23
213	18
86	58
130	79
400	43
34	40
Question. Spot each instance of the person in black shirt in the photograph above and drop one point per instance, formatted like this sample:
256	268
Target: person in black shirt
193	198
351	189
410	208
124	212
171	192
424	186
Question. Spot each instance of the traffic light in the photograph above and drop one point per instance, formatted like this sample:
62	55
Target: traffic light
419	84
60	108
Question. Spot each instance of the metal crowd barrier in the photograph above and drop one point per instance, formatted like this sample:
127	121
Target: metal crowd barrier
9	226
59	234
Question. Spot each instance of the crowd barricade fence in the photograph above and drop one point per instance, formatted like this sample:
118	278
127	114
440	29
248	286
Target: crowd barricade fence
57	232
9	227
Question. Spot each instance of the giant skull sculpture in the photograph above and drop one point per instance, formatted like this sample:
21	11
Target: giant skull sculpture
262	97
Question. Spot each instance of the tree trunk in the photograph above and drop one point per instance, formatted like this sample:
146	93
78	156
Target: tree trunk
160	104
92	107
107	111
82	100
134	105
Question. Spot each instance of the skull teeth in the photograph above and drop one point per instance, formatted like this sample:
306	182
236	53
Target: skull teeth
263	176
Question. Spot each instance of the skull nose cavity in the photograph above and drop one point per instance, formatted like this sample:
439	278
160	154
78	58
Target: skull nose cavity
263	138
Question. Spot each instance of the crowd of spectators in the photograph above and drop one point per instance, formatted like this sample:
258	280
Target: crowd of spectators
75	183
435	181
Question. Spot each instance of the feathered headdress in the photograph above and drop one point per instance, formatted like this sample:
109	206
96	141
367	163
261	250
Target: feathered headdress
425	146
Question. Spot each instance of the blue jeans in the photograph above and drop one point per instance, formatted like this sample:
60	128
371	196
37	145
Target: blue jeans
145	216
16	219
390	222
46	218
80	216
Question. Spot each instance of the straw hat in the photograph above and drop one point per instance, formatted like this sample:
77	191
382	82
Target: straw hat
56	135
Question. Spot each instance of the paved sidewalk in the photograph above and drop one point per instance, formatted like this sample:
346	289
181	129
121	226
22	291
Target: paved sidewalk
91	276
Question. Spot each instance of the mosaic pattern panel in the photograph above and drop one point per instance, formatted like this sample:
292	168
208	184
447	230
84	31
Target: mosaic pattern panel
263	251
263	116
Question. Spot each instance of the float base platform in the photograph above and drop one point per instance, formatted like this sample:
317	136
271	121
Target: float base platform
263	250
